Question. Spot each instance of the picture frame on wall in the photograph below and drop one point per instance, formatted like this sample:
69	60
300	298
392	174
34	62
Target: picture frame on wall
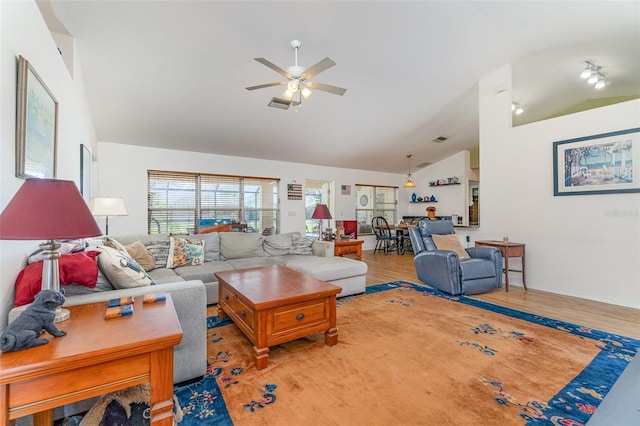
36	125
86	172
607	163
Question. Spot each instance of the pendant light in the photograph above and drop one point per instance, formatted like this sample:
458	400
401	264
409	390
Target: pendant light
409	183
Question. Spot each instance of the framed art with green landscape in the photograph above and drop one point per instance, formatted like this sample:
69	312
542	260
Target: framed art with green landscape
601	164
36	125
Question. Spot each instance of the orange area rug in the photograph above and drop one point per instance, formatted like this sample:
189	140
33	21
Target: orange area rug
409	355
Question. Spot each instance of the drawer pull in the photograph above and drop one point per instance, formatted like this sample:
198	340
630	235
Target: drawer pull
226	297
243	314
299	317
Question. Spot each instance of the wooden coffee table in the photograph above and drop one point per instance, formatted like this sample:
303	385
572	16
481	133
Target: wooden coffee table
95	357
274	304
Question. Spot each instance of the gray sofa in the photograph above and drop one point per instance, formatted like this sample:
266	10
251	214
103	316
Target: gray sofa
239	250
194	287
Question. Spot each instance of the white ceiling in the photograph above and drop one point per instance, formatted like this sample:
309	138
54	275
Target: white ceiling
172	74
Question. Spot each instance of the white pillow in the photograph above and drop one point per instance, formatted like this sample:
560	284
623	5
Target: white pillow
121	270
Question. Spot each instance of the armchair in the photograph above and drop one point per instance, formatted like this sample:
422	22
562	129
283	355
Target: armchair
445	270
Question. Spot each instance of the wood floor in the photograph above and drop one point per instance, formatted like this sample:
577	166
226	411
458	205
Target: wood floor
602	316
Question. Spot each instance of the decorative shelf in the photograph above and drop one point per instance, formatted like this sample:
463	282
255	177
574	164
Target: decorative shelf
445	184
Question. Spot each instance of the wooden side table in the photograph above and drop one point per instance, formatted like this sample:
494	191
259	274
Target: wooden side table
343	247
95	357
508	250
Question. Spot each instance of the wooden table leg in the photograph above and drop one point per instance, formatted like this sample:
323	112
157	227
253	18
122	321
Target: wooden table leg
261	356
524	283
506	271
161	387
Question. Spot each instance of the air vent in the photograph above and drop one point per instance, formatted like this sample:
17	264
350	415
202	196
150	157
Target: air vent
279	103
423	165
440	139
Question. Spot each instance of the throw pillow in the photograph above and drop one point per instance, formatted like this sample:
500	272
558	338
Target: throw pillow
121	269
113	243
278	244
185	252
140	254
66	246
160	251
80	268
301	245
450	242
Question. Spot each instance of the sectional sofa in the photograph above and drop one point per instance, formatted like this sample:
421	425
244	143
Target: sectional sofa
194	286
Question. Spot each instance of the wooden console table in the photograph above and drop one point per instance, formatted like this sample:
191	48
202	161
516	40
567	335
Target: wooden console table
343	247
96	356
508	250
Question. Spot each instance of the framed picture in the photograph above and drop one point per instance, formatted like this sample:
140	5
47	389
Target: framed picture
86	172
601	164
37	125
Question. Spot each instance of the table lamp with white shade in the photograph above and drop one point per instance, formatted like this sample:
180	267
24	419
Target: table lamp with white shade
107	206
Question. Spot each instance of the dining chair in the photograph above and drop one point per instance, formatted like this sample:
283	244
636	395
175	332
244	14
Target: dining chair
386	239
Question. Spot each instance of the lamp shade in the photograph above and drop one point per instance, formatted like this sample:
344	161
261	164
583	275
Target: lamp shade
47	209
107	206
321	212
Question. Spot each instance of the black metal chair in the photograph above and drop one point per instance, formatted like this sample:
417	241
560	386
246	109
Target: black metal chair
386	239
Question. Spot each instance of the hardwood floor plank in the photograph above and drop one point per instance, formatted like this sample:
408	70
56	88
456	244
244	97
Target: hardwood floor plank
603	316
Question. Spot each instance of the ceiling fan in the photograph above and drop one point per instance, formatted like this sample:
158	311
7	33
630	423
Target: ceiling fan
298	86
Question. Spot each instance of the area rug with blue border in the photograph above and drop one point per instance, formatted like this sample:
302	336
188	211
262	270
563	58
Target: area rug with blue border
408	354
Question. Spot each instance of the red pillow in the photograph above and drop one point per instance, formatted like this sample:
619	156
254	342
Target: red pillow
78	268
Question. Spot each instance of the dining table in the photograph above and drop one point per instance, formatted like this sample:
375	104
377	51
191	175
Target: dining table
400	230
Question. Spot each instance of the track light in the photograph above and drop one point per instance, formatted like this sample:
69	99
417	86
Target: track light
586	73
516	108
593	75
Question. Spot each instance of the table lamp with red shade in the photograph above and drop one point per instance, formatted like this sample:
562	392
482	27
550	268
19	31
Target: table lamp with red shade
48	209
321	212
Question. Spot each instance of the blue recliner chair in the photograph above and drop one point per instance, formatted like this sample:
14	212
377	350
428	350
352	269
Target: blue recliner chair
445	271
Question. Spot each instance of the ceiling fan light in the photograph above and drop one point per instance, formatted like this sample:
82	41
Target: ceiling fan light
293	86
586	73
288	95
519	110
599	84
306	92
593	79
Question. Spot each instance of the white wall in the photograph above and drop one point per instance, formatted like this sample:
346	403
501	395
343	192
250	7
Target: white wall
574	244
451	199
123	173
24	32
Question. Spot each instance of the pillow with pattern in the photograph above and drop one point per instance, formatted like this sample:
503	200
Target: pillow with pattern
185	252
301	245
159	249
121	270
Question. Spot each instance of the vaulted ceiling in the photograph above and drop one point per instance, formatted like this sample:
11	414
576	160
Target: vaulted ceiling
172	74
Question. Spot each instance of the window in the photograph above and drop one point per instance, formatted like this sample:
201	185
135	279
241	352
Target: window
315	192
372	201
176	201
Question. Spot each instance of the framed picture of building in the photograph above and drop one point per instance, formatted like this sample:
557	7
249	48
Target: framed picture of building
37	125
601	164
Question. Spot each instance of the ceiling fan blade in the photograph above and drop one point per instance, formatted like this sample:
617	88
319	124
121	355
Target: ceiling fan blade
323	65
262	86
273	66
326	88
